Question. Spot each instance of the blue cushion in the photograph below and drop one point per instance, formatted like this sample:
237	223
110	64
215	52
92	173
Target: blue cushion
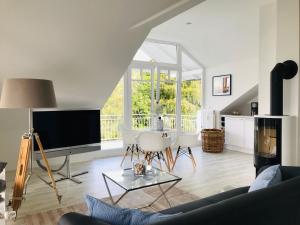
269	177
121	216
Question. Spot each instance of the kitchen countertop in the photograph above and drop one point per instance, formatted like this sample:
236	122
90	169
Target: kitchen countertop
238	116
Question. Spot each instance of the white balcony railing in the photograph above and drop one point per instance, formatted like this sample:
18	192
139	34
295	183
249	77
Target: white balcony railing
110	124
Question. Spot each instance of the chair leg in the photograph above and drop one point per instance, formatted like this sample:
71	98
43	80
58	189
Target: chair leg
171	155
166	160
132	151
152	156
158	157
170	158
147	158
125	154
192	157
137	151
176	157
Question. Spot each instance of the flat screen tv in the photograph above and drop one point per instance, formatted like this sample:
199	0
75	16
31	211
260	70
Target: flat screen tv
67	129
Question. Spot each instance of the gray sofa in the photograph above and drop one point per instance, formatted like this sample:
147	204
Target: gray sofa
277	205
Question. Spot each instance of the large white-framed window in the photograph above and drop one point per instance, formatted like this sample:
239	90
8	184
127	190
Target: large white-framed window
172	70
161	72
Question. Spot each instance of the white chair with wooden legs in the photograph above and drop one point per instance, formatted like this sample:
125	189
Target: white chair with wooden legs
154	145
185	142
130	143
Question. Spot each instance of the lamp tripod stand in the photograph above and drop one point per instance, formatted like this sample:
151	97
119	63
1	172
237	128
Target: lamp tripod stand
22	175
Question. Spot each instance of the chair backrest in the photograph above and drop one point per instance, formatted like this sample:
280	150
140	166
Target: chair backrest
188	140
129	136
151	142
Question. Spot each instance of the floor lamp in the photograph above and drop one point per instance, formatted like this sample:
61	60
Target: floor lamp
29	94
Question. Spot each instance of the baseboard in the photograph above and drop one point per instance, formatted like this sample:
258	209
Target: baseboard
239	149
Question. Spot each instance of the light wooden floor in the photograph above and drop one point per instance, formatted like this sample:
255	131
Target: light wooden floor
214	173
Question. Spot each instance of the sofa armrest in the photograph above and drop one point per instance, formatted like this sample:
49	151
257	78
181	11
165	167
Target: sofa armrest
79	219
289	172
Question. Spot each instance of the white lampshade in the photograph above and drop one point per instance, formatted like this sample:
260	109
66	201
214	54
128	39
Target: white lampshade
27	93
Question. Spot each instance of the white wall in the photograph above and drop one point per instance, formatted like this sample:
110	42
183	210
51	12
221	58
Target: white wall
244	77
288	48
267	53
288	44
13	123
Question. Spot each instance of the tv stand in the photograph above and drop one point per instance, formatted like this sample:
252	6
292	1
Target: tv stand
68	175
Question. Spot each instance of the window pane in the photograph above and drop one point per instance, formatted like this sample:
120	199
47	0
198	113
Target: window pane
136	74
190	104
164	76
146	75
173	76
168	99
112	114
141	104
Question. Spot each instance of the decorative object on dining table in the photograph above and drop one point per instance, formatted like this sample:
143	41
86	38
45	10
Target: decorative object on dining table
139	168
160	124
221	85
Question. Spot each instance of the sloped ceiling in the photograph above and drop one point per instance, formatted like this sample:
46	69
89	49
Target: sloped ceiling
218	31
83	46
241	102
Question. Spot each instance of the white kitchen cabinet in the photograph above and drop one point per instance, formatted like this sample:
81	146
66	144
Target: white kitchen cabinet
249	134
239	133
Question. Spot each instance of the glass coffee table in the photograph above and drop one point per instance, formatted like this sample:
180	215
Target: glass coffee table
130	182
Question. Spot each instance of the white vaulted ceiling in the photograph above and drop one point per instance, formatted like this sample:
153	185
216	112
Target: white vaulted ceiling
216	31
83	46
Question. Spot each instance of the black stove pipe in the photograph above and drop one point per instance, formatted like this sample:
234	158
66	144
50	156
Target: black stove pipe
286	70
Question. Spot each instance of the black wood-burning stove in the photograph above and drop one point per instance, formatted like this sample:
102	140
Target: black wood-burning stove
268	129
267	143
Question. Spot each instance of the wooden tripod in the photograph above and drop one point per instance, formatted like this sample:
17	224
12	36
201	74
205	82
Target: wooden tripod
22	176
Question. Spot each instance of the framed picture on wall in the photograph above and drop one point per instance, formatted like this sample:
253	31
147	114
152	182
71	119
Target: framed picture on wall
221	85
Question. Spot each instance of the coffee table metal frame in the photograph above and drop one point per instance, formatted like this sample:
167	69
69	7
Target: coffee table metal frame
174	181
